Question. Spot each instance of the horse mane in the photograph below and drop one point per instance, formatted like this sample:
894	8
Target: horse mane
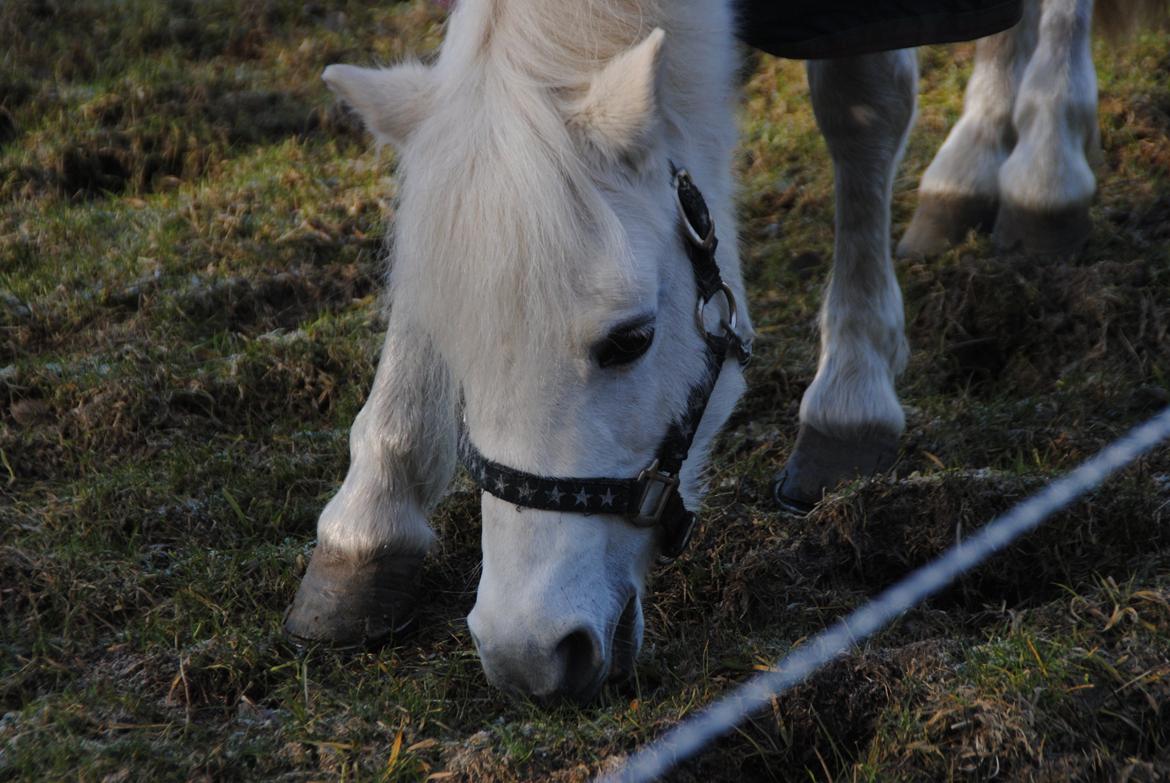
554	41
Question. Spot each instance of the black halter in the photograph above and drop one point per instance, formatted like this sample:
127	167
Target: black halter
652	498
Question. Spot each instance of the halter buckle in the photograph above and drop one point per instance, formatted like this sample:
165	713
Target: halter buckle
666	485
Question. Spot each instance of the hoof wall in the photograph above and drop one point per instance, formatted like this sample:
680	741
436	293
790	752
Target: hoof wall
944	220
820	462
1061	232
353	603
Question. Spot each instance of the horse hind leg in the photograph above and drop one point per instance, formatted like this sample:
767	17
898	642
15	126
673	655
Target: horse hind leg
850	417
960	189
361	586
1046	184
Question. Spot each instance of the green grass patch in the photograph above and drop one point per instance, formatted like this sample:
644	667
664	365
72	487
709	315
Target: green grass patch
191	272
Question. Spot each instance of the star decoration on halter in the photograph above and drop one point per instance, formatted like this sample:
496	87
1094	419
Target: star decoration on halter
555	494
582	498
607	499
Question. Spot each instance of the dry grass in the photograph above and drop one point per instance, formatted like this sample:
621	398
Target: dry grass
190	236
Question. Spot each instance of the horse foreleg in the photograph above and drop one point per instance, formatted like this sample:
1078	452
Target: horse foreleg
850	417
1046	183
960	189
362	581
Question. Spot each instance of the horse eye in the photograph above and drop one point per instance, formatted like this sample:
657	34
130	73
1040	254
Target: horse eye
624	346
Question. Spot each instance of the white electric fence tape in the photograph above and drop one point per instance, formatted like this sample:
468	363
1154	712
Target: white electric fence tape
692	735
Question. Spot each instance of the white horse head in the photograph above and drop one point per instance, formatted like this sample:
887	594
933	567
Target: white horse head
537	242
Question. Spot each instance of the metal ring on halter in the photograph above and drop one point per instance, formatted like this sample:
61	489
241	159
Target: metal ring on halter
692	234
732	310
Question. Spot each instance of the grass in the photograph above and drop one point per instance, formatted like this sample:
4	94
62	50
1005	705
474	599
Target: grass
190	270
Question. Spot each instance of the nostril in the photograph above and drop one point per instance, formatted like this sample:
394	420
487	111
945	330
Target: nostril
581	653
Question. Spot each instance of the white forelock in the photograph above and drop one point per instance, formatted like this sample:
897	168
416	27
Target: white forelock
503	234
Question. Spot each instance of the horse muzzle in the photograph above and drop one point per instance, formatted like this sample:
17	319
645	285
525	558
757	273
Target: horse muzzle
547	659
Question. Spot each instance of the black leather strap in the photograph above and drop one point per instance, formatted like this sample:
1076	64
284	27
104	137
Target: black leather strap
631	498
697	218
549	493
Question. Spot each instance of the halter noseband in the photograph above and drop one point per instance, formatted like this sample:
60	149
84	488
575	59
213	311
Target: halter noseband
652	498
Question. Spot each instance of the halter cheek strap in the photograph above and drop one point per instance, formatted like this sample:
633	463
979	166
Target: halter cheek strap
651	499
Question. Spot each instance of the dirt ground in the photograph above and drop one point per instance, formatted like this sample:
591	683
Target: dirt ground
190	273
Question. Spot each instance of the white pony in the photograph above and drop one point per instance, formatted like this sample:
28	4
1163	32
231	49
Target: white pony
541	292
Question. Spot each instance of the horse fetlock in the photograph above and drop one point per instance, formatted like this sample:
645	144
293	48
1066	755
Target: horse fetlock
820	462
1045	190
853	389
355	601
944	219
368	513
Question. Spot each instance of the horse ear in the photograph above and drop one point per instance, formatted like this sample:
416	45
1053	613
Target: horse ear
615	110
391	101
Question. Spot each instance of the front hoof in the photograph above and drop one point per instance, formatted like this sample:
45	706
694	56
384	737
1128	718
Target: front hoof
348	601
1059	232
944	220
820	462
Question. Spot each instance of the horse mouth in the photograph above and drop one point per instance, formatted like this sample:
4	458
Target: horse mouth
626	640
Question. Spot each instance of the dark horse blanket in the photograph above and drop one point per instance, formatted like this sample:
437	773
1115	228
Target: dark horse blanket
815	29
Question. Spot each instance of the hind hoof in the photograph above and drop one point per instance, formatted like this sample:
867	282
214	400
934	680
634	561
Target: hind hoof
1061	232
349	602
944	220
820	462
